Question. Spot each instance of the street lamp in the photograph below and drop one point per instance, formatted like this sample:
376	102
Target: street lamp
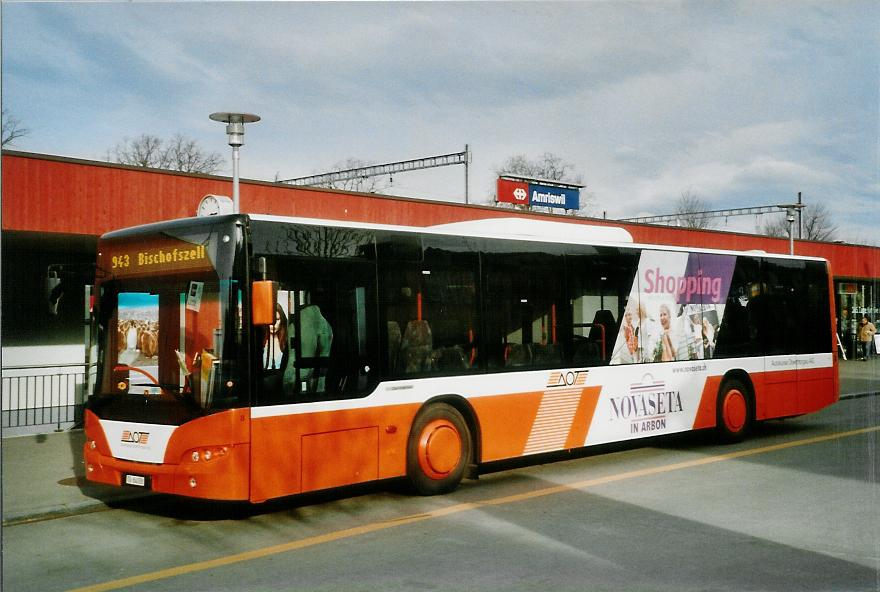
791	211
235	130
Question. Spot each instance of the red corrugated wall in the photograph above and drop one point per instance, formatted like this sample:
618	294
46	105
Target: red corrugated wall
59	195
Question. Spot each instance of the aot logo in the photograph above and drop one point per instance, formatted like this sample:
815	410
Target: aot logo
567	379
130	437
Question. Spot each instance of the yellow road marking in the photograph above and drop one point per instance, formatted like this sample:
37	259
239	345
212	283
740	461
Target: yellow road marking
458	508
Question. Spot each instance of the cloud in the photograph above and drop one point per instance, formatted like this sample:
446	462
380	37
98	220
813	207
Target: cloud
740	102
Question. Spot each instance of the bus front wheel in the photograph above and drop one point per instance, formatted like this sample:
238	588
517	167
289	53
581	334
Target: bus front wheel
438	450
734	411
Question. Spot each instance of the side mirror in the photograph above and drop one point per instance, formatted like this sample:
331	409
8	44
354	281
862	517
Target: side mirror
54	291
263	302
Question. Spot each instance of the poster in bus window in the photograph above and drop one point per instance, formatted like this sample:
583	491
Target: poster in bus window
675	308
138	328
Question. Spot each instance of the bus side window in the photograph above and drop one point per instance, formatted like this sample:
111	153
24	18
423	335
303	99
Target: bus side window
429	305
449	285
324	343
523	300
603	324
738	333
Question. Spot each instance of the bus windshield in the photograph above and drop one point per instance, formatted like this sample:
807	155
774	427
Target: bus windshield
171	342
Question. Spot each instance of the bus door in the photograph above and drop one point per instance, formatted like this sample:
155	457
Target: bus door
781	333
815	372
319	350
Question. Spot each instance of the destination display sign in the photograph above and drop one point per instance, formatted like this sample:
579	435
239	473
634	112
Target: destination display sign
152	256
536	194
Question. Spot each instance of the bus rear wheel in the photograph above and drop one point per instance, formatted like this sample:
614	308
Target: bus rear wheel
734	411
438	450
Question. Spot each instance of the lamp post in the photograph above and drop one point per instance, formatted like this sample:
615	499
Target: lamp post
235	130
791	211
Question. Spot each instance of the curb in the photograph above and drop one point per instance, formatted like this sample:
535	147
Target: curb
859	395
87	506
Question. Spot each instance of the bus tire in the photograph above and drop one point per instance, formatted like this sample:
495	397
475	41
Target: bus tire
734	411
438	450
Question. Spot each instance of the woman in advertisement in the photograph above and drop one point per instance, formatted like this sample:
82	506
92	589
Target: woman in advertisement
666	348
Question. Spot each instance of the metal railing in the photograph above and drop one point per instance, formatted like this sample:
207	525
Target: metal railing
49	396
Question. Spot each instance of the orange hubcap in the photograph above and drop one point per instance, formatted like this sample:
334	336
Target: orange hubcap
734	410
439	449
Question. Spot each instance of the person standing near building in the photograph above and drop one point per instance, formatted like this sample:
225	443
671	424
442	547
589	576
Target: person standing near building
848	329
866	336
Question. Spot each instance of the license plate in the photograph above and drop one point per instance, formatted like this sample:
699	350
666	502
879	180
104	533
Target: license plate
136	480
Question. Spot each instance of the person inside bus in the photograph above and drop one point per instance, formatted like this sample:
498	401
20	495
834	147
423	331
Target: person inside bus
274	357
316	338
275	342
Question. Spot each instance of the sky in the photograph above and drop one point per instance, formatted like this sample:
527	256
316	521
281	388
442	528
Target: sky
741	103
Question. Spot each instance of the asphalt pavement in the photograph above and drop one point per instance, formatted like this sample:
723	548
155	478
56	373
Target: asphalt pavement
43	475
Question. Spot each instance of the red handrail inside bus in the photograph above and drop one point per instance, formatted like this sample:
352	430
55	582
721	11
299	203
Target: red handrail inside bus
136	369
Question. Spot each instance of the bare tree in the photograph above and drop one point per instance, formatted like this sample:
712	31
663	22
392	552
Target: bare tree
372	184
688	209
177	154
185	154
817	225
549	167
12	128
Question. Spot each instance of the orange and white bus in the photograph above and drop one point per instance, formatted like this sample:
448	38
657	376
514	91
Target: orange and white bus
247	357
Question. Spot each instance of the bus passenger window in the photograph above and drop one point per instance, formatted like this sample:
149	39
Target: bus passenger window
524	314
323	341
605	319
429	304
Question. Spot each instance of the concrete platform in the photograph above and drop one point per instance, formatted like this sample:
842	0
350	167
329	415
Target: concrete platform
43	475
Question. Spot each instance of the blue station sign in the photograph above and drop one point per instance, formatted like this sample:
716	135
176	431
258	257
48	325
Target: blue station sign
555	197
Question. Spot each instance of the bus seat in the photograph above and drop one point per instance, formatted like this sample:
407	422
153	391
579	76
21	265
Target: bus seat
316	340
449	358
416	347
317	334
584	352
605	318
549	354
518	354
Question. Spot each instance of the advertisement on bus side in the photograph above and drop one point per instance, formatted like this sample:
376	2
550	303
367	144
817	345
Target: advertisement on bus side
675	307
